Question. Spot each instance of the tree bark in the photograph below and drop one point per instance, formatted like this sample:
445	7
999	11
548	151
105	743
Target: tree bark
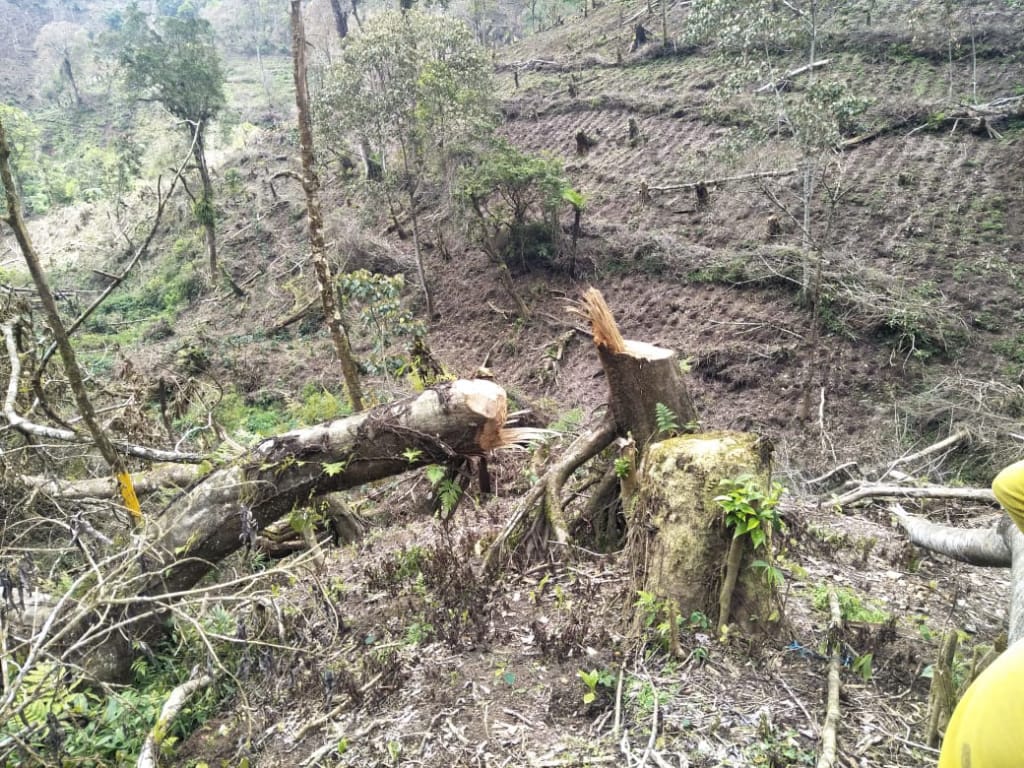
207	215
340	19
1001	545
640	376
455	419
311	186
678	541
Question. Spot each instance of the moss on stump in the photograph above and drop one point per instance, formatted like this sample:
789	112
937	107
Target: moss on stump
682	539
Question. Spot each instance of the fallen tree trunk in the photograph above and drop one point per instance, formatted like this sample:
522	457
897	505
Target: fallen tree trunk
454	419
215	518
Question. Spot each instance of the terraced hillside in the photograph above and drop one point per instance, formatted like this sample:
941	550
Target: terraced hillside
927	203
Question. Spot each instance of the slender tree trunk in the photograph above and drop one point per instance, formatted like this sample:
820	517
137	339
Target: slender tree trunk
65	67
207	216
15	219
420	271
311	186
340	19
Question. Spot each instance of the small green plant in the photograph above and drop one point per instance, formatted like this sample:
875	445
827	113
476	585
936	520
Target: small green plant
447	490
594	679
852	606
862	666
699	620
749	509
418	633
623	467
771	574
666	420
656	618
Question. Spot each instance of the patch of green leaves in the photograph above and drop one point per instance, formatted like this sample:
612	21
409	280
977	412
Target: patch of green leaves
749	509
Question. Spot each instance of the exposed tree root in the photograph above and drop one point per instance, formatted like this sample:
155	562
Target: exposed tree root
543	505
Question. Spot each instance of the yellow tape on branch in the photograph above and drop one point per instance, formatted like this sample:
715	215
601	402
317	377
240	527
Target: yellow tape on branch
131	501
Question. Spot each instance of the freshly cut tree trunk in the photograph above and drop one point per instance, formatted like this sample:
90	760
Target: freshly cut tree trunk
454	419
458	418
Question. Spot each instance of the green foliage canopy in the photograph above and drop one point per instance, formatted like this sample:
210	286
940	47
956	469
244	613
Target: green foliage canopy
173	61
411	78
506	185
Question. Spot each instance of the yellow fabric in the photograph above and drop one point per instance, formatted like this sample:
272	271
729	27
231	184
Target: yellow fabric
1009	490
987	728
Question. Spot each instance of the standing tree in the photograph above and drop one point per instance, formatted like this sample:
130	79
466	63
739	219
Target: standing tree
311	186
412	85
506	193
175	63
12	216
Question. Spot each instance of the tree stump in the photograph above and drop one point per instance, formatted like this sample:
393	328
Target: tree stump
678	536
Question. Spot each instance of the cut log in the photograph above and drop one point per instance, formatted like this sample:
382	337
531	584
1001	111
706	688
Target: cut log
678	539
452	420
783	82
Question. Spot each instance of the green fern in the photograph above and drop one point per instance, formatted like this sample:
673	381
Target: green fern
666	420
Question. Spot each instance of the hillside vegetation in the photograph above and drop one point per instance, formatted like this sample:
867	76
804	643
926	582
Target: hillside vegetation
835	253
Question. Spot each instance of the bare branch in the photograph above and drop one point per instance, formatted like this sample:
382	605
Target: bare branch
27	427
172	706
880	490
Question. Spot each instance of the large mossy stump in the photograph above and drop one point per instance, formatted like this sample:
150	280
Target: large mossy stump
681	541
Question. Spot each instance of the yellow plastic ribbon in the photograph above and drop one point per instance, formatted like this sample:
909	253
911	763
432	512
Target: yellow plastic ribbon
131	501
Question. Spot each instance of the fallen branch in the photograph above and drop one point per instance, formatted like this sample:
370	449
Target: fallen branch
978	546
998	546
981	116
830	726
166	476
783	81
882	490
148	757
851	471
116	280
295	316
32	429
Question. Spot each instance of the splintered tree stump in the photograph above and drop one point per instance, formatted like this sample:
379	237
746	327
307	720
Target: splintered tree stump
679	541
640	376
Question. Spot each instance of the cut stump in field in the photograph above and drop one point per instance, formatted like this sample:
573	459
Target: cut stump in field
679	539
